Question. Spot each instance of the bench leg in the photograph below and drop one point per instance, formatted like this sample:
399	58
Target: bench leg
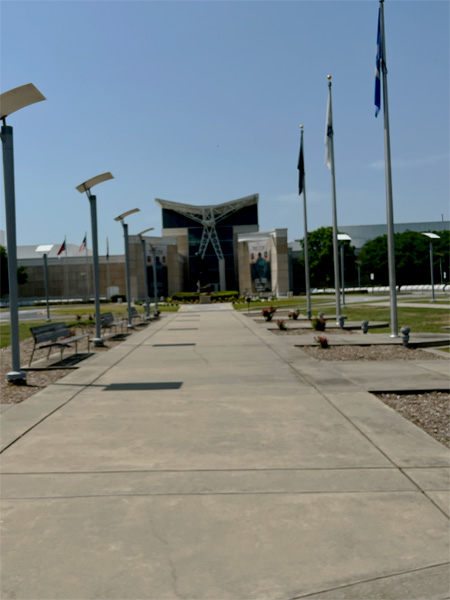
32	354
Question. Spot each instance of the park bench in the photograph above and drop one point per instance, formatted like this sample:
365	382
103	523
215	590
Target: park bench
135	315
54	335
107	321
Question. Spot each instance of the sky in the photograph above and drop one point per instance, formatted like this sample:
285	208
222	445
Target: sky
200	102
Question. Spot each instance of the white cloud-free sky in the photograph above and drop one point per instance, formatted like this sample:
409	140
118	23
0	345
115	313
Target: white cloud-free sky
201	102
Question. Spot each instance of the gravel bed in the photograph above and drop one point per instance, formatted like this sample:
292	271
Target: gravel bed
429	410
375	352
305	331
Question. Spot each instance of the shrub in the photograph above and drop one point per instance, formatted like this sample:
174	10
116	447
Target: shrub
116	297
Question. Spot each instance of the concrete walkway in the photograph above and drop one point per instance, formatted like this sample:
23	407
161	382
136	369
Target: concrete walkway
206	458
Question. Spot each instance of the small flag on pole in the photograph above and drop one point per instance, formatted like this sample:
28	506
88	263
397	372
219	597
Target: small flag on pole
62	249
83	245
301	167
328	134
378	66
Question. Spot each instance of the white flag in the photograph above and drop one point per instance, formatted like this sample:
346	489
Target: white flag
328	134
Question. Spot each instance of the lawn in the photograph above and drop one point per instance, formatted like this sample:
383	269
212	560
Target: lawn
427	320
82	311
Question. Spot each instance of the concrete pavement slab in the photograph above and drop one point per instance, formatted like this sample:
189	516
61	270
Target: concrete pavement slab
406	444
192	433
396	375
430	479
215	546
257	477
424	584
442	499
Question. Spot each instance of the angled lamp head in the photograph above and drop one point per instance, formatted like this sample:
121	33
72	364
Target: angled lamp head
87	185
45	248
145	231
432	236
344	237
18	98
125	214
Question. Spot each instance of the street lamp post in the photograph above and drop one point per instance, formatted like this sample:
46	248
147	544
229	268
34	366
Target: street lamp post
155	279
343	237
45	250
127	261
432	236
10	102
144	262
86	187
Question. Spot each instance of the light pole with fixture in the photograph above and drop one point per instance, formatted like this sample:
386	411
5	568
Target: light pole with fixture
10	102
144	262
86	187
127	260
432	236
343	237
45	249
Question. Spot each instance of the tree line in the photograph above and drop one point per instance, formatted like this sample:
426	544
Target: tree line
370	265
22	275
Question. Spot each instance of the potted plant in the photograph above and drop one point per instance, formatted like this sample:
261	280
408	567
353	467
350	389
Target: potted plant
322	341
318	323
294	314
281	325
268	313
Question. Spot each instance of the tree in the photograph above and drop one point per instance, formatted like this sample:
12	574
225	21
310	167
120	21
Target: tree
321	263
22	275
412	258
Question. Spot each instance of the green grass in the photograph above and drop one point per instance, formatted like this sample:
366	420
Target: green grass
86	310
424	320
418	319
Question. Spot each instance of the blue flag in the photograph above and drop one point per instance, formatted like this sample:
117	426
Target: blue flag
378	66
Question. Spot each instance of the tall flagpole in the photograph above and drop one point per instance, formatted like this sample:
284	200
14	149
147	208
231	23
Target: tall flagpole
67	270
381	61
88	271
302	189
329	161
108	282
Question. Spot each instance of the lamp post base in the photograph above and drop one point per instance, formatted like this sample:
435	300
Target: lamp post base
16	377
98	341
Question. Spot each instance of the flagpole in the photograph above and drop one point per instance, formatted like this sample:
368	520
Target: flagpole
88	271
330	142
305	225
108	282
389	200
67	270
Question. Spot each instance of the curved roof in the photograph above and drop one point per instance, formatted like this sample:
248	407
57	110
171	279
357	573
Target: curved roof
217	208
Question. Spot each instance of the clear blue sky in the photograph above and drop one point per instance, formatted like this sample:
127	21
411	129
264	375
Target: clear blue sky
201	102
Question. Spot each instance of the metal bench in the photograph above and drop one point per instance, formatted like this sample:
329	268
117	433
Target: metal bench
54	335
135	315
107	321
